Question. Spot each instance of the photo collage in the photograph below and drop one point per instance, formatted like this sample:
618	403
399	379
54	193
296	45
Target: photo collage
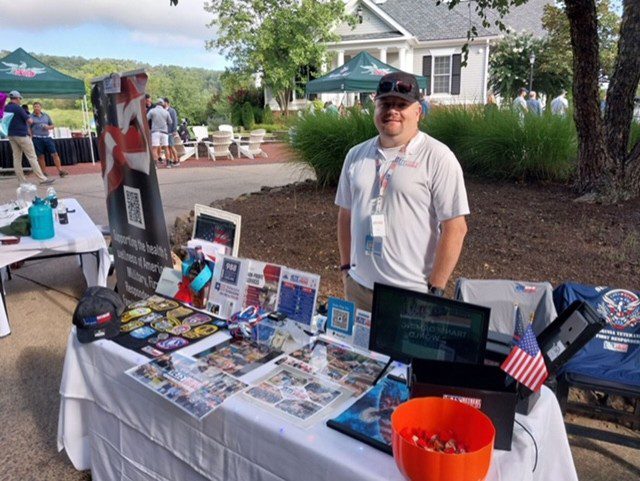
300	397
350	369
192	385
238	356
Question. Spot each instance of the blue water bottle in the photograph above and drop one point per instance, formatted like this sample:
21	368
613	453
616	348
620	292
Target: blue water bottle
41	218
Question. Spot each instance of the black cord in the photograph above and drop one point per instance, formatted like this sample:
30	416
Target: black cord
535	445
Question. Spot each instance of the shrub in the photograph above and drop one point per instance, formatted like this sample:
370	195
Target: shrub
247	116
258	115
323	140
267	115
488	143
236	115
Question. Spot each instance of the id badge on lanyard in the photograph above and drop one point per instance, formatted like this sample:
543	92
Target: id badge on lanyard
377	224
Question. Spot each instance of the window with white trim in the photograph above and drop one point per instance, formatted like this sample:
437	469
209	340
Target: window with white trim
442	75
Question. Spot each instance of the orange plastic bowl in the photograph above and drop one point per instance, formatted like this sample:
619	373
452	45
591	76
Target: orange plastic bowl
470	426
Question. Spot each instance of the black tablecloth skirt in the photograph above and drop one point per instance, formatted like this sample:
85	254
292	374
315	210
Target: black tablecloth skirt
71	152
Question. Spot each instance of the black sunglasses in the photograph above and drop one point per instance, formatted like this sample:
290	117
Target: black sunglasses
399	86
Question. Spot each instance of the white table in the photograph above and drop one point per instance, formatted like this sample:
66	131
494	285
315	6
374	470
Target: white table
79	237
122	431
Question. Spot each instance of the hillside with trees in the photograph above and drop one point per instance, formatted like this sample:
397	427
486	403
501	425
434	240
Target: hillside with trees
189	89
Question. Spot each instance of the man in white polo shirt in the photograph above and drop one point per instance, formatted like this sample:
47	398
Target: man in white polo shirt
402	202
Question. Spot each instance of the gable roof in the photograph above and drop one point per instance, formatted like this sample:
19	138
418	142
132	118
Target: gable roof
427	21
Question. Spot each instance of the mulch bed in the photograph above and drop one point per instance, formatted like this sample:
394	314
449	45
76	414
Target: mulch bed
516	231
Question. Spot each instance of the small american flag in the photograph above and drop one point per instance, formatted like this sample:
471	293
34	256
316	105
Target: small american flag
525	362
519	326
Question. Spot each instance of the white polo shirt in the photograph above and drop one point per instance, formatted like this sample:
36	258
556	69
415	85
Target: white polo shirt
426	188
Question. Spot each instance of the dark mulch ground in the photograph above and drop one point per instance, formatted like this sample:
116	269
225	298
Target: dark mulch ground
516	231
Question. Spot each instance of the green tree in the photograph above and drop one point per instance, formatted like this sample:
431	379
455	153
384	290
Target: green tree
560	55
275	38
510	67
608	166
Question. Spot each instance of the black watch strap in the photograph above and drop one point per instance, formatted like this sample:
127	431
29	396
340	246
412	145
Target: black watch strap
435	291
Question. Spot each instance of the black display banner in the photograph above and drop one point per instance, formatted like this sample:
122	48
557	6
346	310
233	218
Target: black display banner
138	230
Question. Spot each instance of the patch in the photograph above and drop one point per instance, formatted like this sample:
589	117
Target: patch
200	331
142	332
162	304
172	343
160	337
131	326
179	312
152	351
197	319
165	324
154	316
97	320
133	313
181	329
621	308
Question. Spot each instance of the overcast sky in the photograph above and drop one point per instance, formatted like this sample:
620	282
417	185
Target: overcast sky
145	30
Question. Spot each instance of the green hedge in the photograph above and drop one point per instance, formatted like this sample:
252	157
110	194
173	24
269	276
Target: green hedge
488	143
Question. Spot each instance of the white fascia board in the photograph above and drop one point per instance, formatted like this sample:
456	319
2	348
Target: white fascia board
380	13
460	41
384	42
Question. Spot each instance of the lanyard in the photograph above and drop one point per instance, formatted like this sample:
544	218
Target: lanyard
383	177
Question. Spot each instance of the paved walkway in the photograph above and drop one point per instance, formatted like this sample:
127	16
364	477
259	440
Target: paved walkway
196	181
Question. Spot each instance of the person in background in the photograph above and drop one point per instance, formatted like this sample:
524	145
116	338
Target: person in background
330	108
424	104
402	202
183	130
560	104
41	127
520	103
21	141
160	124
533	104
172	155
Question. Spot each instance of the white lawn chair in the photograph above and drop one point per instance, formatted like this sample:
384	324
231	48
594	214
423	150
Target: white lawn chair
220	145
191	147
251	148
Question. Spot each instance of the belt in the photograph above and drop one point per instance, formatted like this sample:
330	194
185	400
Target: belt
41	137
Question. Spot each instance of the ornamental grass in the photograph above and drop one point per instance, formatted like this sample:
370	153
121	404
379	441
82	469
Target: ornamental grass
489	142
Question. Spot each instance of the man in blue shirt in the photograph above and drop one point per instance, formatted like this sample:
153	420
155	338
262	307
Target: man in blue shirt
173	128
40	128
20	140
533	104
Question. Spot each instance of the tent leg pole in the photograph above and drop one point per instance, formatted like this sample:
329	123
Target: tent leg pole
85	106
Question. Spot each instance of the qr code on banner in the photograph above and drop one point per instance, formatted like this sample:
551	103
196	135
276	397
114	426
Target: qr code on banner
133	201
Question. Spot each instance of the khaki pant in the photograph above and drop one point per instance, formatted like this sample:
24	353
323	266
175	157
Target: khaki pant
20	145
361	296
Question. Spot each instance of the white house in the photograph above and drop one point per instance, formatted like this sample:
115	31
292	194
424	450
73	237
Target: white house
423	38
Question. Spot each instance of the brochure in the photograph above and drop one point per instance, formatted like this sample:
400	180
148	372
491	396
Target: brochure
362	329
369	418
226	295
299	397
297	295
262	285
192	385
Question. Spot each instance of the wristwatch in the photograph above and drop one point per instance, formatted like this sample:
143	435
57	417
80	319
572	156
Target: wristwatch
435	291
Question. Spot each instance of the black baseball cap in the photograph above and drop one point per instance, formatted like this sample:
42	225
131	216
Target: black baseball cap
97	315
399	84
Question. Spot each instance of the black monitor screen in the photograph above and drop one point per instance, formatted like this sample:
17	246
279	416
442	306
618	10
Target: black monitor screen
407	324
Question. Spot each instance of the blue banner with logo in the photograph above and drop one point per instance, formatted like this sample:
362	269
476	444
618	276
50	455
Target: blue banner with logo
614	354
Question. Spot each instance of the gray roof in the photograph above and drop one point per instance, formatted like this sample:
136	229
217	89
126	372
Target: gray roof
428	21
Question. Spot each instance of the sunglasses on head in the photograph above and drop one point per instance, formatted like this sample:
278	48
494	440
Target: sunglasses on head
399	86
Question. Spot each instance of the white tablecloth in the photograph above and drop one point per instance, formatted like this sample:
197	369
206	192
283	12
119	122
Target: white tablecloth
122	431
79	236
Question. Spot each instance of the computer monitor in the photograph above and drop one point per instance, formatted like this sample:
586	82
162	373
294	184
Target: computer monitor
407	325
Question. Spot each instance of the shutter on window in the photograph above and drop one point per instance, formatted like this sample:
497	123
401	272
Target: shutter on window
426	71
455	74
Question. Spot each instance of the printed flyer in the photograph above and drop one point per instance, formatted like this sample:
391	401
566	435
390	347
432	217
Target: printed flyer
298	294
192	385
296	396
